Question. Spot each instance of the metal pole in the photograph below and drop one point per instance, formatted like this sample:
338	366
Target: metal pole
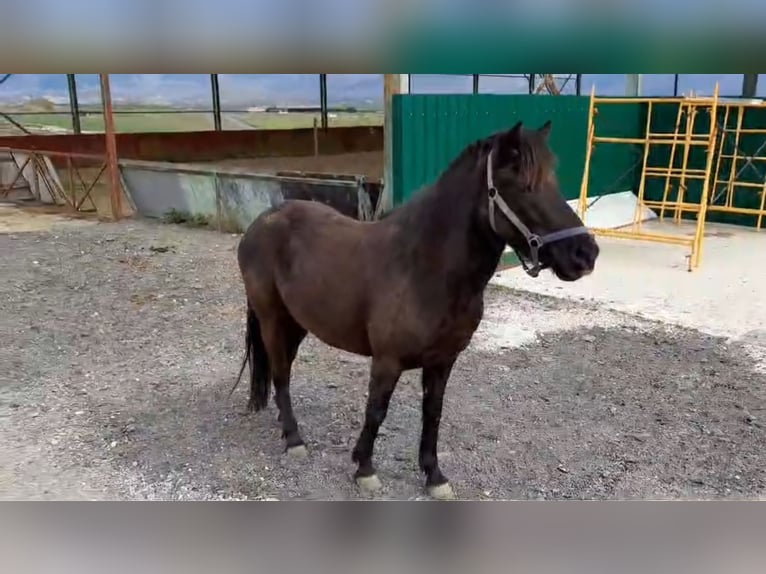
74	105
475	83
323	99
531	83
217	123
749	85
633	85
675	85
578	84
111	148
316	138
16	124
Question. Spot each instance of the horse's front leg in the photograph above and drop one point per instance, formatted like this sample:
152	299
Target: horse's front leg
434	381
383	378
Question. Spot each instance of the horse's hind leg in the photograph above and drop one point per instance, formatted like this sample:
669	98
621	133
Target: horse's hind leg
295	335
282	337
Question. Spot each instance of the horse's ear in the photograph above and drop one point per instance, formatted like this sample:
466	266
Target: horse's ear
509	140
545	130
513	135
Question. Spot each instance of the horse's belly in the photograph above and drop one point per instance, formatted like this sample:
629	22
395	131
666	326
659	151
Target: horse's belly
337	322
358	344
347	336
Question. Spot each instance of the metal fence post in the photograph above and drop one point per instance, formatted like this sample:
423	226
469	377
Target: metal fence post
216	90
74	104
111	148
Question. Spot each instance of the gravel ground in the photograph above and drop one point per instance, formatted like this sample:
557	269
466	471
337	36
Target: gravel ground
121	342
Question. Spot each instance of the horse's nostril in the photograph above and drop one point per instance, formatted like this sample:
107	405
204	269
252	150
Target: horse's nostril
584	256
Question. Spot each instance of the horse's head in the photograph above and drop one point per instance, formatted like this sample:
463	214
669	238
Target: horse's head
525	208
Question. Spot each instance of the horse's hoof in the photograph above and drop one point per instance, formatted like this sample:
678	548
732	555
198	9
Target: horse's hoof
297	451
442	492
369	483
252	407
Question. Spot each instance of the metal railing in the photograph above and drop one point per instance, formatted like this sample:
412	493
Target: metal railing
38	172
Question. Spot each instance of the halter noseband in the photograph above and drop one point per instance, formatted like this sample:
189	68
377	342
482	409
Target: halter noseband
534	241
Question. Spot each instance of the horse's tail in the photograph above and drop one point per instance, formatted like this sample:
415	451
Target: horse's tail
258	360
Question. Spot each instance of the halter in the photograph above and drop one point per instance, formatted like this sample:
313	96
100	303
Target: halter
534	241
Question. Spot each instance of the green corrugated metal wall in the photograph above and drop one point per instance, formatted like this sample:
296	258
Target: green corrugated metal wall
750	144
664	117
430	130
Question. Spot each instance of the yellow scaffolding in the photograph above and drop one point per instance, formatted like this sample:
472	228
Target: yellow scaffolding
684	137
743	160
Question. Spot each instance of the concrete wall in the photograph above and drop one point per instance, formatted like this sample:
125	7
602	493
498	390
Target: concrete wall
210	145
230	198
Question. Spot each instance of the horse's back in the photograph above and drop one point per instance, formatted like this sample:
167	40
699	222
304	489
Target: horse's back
300	216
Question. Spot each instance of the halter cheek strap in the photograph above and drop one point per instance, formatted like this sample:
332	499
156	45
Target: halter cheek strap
534	241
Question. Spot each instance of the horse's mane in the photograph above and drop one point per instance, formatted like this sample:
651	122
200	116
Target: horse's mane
479	147
530	159
475	148
533	160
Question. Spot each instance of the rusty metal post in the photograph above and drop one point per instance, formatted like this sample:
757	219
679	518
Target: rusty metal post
111	148
70	175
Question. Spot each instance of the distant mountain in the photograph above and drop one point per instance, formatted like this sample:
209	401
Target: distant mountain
360	90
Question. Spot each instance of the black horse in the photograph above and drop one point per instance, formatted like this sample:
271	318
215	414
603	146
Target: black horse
408	289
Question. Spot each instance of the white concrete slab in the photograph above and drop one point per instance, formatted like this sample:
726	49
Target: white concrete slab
613	210
725	296
506	326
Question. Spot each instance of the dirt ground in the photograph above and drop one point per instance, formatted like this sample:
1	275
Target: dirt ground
121	342
369	164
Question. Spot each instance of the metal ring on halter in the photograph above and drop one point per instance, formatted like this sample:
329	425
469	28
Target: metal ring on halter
533	271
